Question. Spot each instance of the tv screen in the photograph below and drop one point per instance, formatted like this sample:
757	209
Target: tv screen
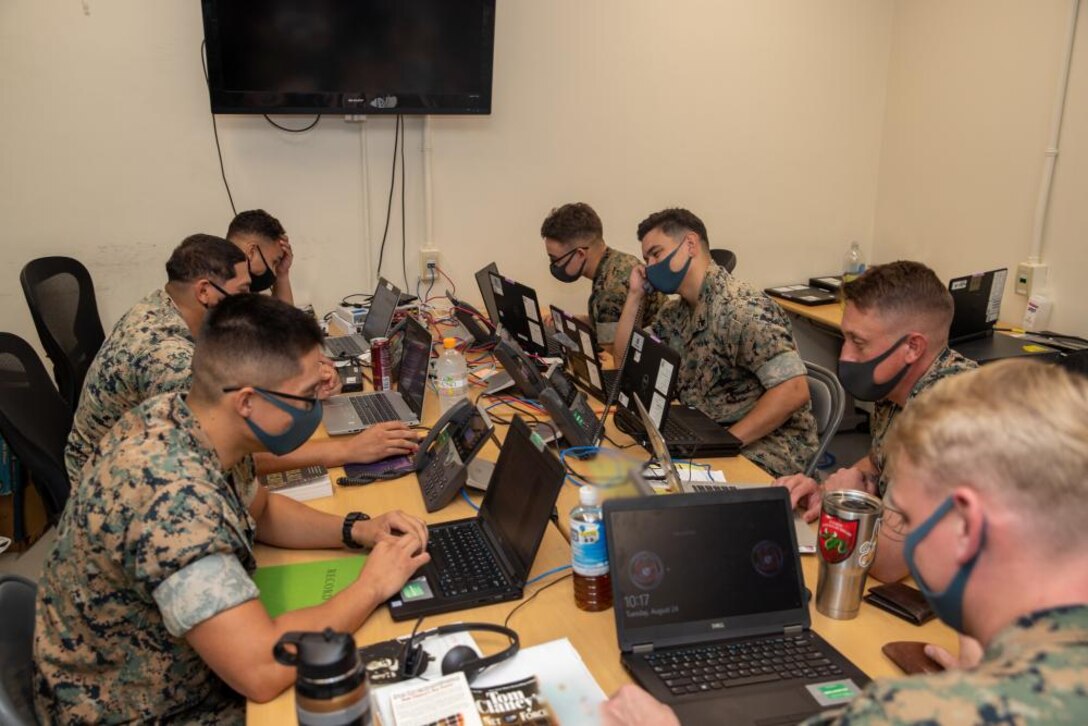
350	56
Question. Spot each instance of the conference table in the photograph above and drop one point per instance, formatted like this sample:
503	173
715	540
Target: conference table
552	614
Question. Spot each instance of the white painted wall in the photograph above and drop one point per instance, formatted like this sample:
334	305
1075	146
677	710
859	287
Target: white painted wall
764	118
971	88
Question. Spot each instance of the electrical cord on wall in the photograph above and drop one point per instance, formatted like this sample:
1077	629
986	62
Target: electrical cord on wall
215	127
389	203
403	230
317	118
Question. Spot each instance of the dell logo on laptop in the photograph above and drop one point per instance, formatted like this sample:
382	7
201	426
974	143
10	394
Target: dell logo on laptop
717	626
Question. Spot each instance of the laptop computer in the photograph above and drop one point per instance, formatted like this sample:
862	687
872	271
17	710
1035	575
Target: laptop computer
488	558
650	372
519	312
581	357
725	636
352	412
976	303
677	484
803	294
379	319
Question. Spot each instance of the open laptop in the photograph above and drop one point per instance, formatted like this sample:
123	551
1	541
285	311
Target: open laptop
379	319
650	372
487	558
803	294
352	412
519	312
725	636
581	358
677	484
976	301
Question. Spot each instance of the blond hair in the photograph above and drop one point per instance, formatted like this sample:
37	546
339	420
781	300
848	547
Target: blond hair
1016	428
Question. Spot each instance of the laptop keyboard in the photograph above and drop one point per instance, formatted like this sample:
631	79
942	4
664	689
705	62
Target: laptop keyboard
373	409
463	560
677	431
705	668
344	347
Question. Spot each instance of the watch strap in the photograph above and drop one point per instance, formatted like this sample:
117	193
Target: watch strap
349	523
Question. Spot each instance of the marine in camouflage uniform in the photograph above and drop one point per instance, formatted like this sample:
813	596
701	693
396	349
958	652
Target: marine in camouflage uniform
609	293
1033	672
149	351
155	539
734	345
948	363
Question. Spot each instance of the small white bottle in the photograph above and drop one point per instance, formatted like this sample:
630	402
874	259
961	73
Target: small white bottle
854	263
451	376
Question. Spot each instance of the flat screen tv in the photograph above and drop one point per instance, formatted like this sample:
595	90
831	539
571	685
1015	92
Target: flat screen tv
350	56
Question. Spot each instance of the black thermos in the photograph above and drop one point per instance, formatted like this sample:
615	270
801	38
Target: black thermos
331	687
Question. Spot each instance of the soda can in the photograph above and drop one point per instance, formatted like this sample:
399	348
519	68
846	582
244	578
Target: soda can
381	364
846	540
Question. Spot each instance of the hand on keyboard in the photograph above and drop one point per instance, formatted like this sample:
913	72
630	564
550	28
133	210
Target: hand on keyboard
391	563
632	706
380	441
390	527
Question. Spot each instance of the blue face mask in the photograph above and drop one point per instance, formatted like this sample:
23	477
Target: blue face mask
663	278
303	423
947	605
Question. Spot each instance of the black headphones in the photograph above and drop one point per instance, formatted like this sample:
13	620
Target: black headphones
460	658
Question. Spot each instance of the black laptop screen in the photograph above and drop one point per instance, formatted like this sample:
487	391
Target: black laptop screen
521	495
382	305
711	562
412	382
649	372
483	280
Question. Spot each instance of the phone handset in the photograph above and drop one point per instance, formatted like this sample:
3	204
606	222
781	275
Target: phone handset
451	445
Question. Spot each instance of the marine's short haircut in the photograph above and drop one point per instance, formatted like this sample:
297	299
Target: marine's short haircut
574	222
902	287
203	256
674	223
251	340
1016	428
258	222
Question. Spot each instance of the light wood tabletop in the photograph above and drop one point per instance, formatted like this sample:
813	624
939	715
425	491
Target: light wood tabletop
552	614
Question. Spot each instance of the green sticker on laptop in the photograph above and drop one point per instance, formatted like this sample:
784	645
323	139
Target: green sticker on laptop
416	589
834	693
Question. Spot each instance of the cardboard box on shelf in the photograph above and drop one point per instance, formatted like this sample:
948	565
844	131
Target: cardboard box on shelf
34	520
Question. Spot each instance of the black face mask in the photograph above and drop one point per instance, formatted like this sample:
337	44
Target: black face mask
857	378
558	268
262	282
222	292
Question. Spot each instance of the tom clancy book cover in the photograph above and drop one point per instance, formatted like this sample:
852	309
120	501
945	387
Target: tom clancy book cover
519	702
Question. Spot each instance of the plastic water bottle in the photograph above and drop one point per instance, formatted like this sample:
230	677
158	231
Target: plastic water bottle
451	376
854	263
589	554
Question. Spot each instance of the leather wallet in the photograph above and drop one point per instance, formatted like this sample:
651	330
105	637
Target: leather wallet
911	657
901	600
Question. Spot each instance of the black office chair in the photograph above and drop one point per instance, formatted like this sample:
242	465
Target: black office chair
35	421
724	258
828	405
61	297
17	650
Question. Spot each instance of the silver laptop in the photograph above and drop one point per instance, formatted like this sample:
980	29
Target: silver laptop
349	413
806	534
379	319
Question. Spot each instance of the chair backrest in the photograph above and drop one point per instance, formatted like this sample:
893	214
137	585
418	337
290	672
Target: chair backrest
828	405
34	420
61	297
724	258
16	650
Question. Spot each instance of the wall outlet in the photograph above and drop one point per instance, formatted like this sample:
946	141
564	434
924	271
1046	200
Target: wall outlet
1030	276
428	264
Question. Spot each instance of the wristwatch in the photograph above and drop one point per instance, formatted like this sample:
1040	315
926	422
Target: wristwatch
349	522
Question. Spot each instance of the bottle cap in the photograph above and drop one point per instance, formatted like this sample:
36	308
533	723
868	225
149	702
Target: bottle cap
449	343
589	496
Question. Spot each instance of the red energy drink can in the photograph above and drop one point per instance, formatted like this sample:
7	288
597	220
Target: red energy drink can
381	364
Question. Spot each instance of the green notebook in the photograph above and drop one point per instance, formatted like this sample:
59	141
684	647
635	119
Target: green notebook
290	587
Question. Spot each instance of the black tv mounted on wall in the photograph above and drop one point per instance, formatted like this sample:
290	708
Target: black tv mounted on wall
350	56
